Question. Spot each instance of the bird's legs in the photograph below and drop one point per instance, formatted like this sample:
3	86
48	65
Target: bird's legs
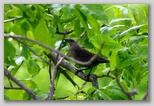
87	76
89	73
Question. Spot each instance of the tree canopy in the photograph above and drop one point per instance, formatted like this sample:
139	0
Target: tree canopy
35	64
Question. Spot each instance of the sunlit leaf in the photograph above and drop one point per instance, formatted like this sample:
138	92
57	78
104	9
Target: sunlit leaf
129	32
42	34
121	21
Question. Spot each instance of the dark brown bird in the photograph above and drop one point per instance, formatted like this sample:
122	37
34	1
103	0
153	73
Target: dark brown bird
83	55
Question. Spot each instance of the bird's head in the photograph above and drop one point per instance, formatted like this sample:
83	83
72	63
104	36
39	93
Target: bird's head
71	42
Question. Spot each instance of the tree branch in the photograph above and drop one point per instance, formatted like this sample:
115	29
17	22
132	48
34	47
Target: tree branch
51	49
6	72
57	66
130	93
145	96
67	65
53	78
9	20
92	78
34	52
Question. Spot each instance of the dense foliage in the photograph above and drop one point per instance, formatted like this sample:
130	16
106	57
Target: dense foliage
123	27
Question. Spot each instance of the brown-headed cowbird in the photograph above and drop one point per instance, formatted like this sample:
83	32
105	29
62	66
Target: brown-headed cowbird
83	55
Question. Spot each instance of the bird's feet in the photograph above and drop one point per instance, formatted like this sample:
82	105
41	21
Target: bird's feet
87	77
77	71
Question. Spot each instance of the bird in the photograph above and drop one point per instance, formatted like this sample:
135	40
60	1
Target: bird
81	54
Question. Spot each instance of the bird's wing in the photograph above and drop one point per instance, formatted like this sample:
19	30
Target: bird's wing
80	52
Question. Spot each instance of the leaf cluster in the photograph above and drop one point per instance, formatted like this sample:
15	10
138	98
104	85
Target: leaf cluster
123	27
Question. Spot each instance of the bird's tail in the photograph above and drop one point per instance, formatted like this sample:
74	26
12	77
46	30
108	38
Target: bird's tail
102	60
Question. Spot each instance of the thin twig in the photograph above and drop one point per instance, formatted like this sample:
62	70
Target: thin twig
13	88
84	83
145	96
130	93
60	70
50	74
6	72
50	60
61	44
106	75
10	20
94	57
67	76
63	33
53	77
11	85
33	51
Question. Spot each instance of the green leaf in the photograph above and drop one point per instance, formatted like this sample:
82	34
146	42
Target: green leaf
137	11
117	93
26	96
144	29
81	17
13	13
122	21
91	90
9	51
6	97
14	94
124	62
77	28
129	32
7	27
24	27
66	9
117	12
101	95
123	27
33	67
113	59
142	51
42	95
137	39
96	41
16	29
25	52
42	34
105	29
32	86
96	11
91	21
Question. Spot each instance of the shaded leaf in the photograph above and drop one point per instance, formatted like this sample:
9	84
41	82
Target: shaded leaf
102	96
9	51
33	67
